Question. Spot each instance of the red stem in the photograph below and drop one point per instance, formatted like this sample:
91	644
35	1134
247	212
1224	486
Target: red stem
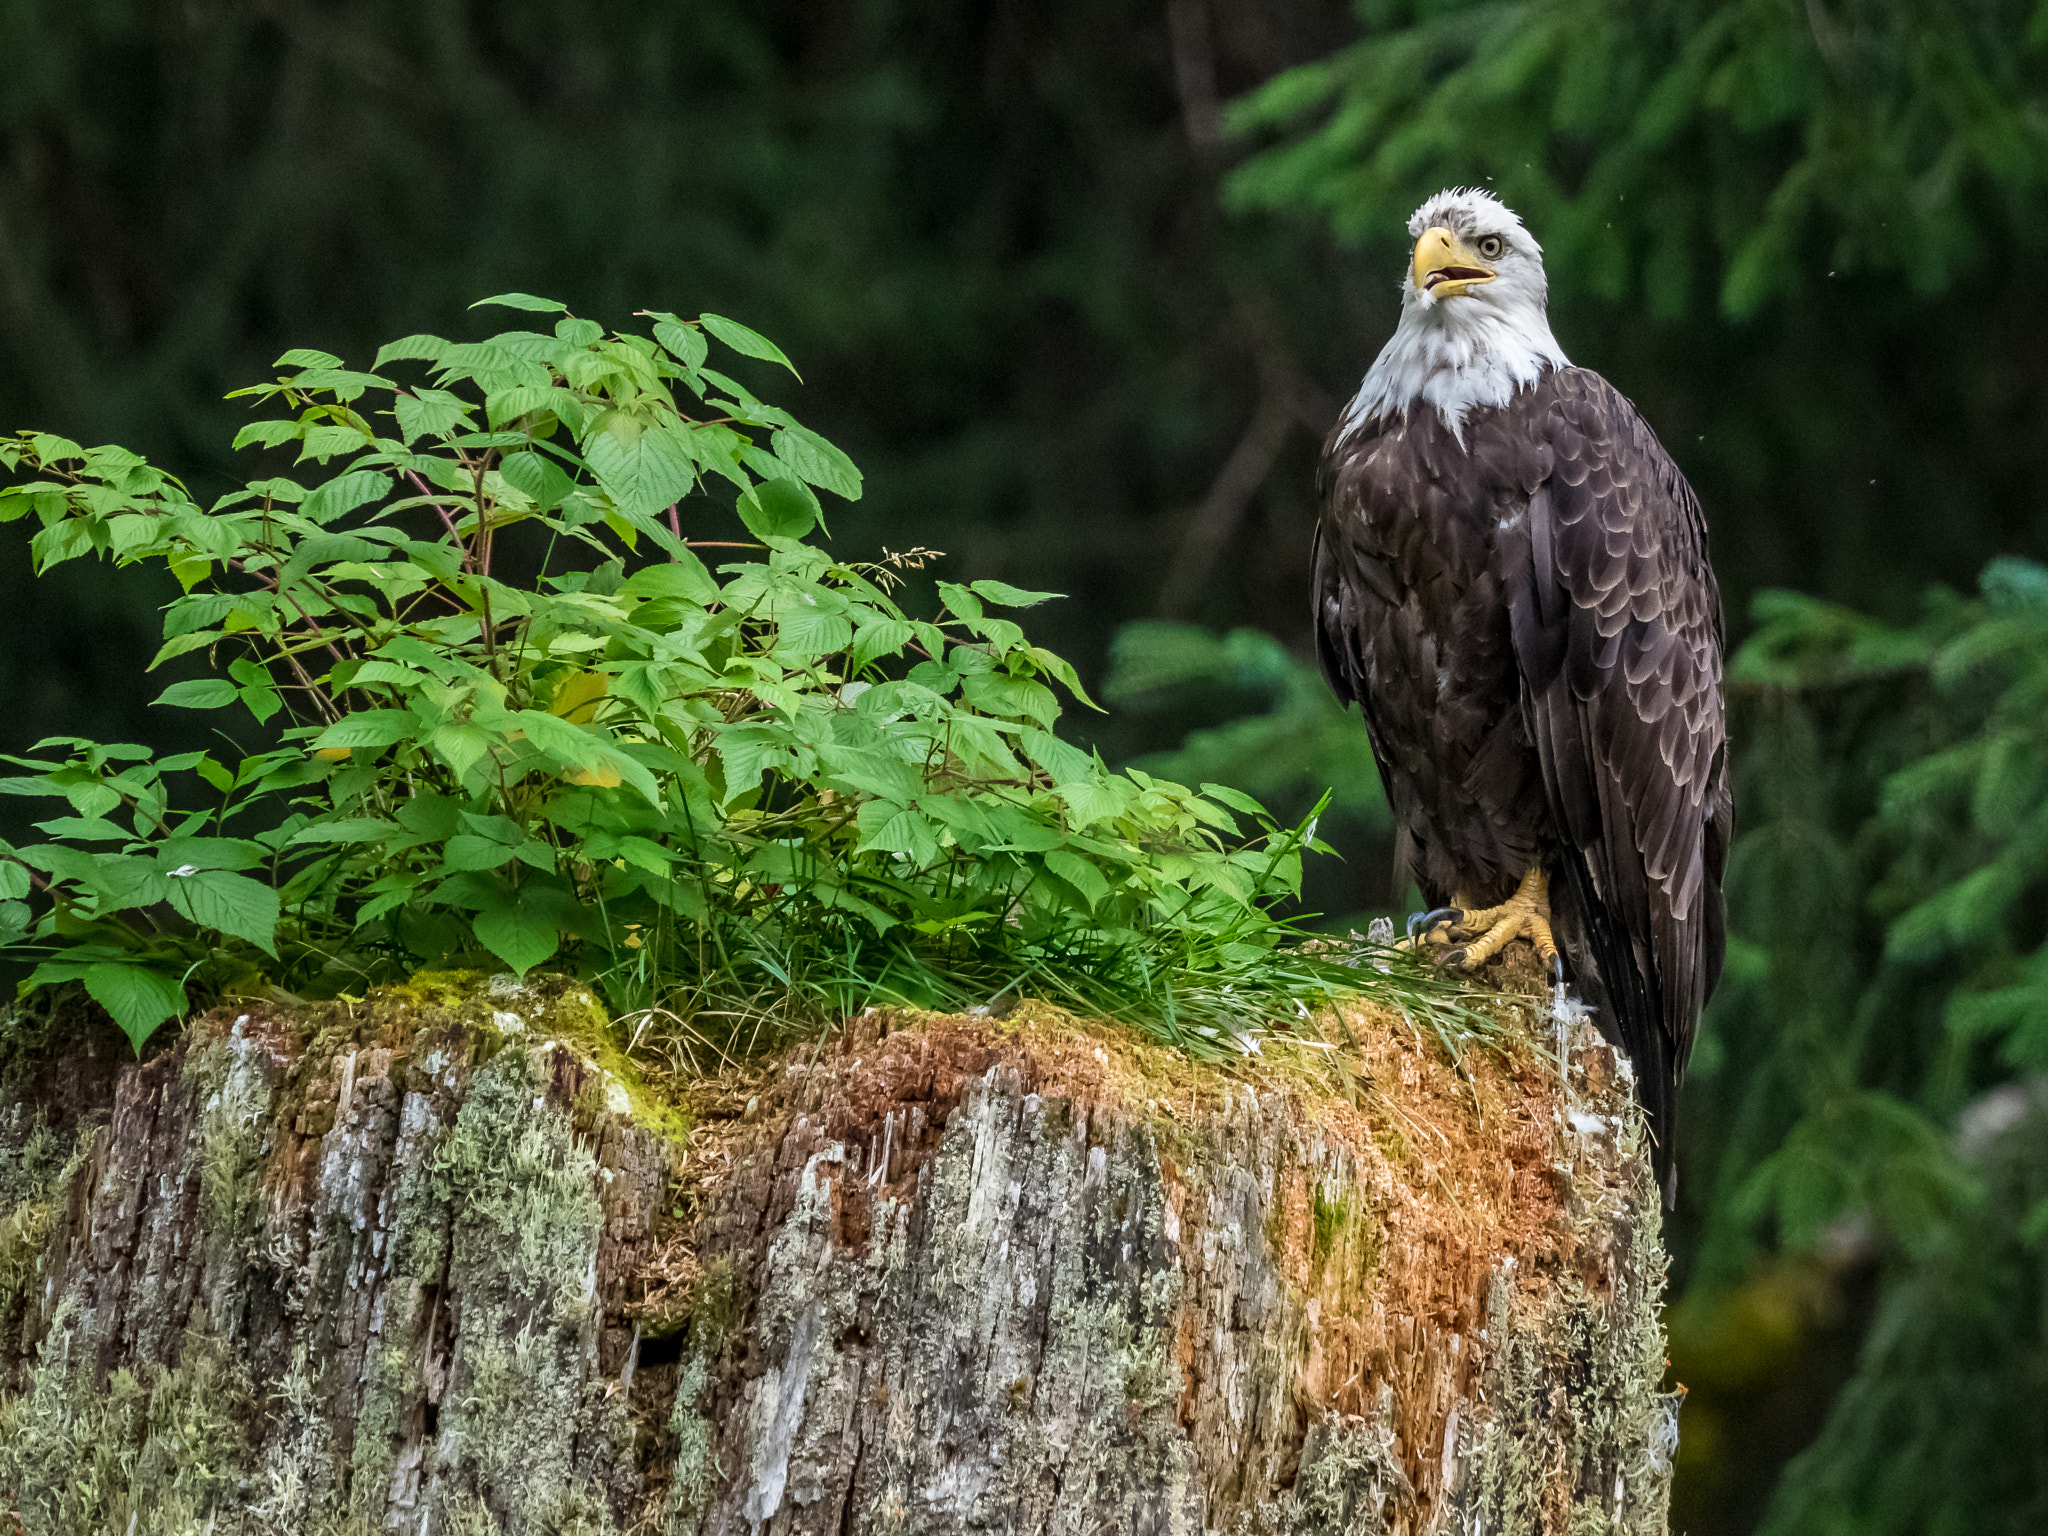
447	521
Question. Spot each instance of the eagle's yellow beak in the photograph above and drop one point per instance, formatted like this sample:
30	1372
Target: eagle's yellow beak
1444	268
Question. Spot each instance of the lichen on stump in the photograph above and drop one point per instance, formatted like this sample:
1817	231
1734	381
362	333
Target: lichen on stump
441	1261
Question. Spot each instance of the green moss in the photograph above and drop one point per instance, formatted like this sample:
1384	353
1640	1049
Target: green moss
33	1177
161	1448
505	1011
1604	1355
718	1306
394	1384
1348	1478
1332	1212
27	1167
695	1477
450	990
523	1256
225	1081
24	1234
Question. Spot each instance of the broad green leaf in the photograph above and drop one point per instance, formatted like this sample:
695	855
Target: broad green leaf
539	477
261	700
523	301
882	637
209	853
89	797
14	881
198	693
430	413
809	632
190	569
573	745
268	434
959	600
1012	698
521	941
887	828
232	904
322	443
777	509
461	747
368	728
1011	597
683	578
685	341
344	493
745	340
872	773
1067	763
643	469
346	829
138	999
1236	799
422	348
811	458
1078	872
468	851
80	829
1094	800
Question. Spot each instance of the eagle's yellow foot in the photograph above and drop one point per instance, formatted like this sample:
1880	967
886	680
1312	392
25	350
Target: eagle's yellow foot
1524	915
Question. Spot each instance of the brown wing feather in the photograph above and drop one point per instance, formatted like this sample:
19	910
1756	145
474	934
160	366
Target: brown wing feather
1618	633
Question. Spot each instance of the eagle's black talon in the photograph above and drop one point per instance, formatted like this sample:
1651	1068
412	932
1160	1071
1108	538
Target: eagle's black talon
1428	920
1453	959
1557	969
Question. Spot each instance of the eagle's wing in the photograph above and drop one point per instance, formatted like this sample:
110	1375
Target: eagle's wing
1616	622
1341	647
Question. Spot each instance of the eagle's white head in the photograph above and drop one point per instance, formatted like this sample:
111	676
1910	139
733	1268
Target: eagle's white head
1473	324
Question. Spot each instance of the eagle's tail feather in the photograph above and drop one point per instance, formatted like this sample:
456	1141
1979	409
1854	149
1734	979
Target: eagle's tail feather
1624	996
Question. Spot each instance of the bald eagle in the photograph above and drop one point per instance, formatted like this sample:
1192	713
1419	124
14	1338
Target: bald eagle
1511	580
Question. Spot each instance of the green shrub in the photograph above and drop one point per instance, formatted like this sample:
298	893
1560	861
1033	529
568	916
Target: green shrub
1871	1069
519	721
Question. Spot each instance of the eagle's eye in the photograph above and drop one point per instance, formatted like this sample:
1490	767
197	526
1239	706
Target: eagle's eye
1492	247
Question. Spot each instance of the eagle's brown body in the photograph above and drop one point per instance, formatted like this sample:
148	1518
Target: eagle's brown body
1530	624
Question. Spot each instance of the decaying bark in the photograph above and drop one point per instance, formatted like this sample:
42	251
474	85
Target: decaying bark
442	1261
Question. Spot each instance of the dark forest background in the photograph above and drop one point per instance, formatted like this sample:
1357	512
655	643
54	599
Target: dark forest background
1081	287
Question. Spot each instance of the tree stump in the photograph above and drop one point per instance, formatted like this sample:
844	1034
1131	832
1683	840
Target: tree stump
444	1261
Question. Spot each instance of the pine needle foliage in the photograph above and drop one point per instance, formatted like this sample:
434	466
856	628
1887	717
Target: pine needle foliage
1673	145
519	721
1943	1427
1885	1006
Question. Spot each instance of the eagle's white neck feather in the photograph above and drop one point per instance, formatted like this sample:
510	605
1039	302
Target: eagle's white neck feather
1477	348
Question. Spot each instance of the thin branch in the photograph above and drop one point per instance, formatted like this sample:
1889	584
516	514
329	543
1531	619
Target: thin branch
1287	395
447	521
320	634
1194	73
34	879
1222	509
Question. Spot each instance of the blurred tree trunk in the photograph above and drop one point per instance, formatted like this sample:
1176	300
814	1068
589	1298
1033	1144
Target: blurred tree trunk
443	1262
